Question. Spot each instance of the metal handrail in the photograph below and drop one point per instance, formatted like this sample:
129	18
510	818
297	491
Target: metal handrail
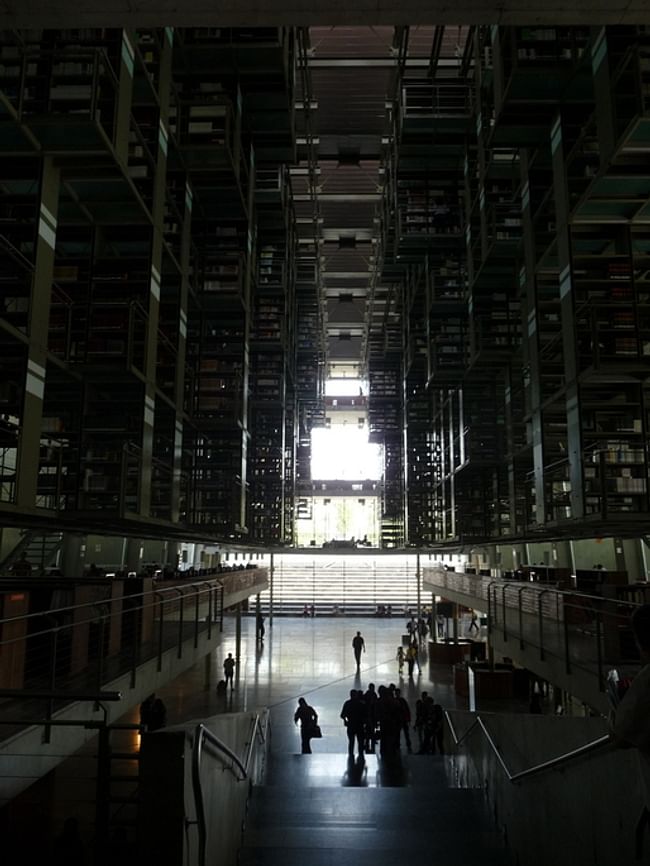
202	733
586	748
532	586
90	604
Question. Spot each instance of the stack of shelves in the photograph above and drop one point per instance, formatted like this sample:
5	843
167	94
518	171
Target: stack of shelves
111	452
418	489
427	208
310	366
614	448
69	89
447	448
529	69
384	398
271	352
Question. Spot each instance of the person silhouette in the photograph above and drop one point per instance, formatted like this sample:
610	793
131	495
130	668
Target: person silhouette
359	646
229	670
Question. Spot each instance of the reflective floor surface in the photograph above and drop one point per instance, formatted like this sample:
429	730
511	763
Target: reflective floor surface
312	658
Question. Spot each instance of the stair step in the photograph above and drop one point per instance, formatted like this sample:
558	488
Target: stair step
367	857
326	810
361	835
439	811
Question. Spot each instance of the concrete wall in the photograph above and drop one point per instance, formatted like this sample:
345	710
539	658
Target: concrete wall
582	814
9	538
24	758
588	552
168	810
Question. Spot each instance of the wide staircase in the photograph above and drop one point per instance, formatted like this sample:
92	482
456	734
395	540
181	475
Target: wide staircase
325	810
346	585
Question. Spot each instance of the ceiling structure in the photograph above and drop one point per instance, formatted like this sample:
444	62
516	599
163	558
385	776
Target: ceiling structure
340	188
227	13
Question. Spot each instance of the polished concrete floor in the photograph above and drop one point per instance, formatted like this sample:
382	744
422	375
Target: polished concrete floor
312	658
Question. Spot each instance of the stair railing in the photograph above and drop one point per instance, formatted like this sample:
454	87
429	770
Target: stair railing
240	769
478	724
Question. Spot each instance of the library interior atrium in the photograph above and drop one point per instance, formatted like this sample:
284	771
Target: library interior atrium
205	229
322	315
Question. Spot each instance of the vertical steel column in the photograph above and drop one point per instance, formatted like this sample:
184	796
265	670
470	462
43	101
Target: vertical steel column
39	319
567	654
160	629
102	794
540	613
197	596
599	649
271	576
238	634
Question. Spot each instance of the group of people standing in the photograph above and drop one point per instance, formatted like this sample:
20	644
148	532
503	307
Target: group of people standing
379	717
376	716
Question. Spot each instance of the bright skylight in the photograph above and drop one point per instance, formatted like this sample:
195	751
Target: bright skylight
345	387
343	453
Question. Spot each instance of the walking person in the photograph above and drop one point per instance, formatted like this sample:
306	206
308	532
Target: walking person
437	729
308	718
405	712
370	700
259	627
473	624
400	660
359	646
229	671
353	713
420	720
412	658
411	628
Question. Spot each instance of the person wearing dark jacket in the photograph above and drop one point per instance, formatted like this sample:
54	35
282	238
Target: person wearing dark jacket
308	718
353	714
